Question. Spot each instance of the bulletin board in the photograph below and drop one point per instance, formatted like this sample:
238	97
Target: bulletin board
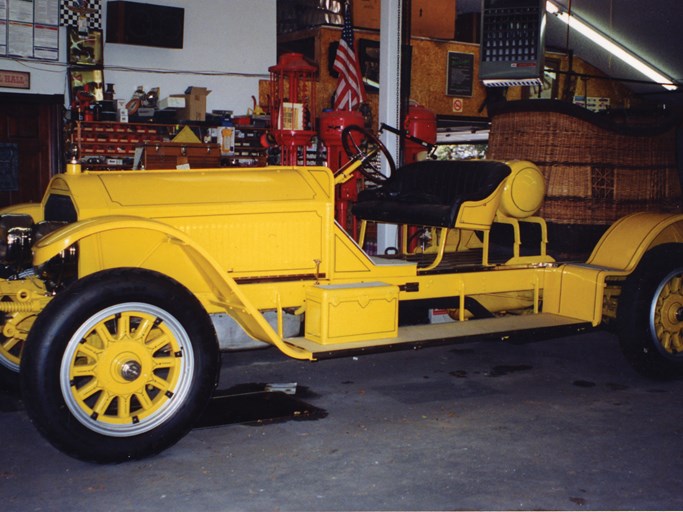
29	29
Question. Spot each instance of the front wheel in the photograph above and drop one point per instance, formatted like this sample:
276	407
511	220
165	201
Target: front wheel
119	366
650	313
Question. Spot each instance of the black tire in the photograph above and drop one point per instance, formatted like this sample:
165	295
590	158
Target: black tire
9	381
650	314
119	366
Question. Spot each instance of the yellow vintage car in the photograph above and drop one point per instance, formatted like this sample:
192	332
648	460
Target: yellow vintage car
120	289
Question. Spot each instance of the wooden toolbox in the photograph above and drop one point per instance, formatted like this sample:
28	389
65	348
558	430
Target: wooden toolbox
172	155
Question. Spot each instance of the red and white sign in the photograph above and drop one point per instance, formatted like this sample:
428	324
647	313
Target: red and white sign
15	79
458	105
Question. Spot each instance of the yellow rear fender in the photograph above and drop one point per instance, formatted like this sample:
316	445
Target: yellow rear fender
624	243
125	241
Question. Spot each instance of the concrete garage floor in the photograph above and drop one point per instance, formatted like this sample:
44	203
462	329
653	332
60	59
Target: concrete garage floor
561	424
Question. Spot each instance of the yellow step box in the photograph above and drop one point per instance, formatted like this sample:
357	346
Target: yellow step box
343	313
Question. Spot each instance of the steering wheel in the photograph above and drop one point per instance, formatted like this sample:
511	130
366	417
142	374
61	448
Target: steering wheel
360	144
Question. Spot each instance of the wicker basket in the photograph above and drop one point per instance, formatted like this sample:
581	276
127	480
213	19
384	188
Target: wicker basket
595	172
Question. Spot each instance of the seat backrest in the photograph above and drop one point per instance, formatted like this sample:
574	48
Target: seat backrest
436	193
447	180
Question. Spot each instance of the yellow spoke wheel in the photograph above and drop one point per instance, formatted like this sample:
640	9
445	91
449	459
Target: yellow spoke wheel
126	369
119	365
666	314
650	313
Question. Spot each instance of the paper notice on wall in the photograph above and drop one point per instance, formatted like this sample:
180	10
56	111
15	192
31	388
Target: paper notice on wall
21	10
47	12
46	42
20	39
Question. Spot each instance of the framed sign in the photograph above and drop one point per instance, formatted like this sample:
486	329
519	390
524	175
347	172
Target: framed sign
85	49
15	79
368	60
93	78
460	74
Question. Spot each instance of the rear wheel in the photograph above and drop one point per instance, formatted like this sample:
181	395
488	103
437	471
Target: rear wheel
119	366
650	313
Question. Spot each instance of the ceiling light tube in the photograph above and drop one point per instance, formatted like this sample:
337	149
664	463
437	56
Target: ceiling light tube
610	46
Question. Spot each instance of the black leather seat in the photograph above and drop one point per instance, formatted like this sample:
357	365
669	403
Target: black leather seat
430	192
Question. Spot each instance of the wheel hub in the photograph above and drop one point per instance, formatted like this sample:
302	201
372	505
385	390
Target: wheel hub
124	365
679	314
130	370
668	317
673	315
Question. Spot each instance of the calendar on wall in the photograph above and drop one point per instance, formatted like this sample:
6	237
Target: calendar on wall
512	42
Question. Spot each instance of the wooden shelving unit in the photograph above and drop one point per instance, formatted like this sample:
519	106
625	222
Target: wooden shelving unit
108	145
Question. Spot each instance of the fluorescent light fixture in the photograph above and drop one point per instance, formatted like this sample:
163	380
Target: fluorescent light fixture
610	46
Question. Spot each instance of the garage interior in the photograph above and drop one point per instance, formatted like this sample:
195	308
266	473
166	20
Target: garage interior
560	424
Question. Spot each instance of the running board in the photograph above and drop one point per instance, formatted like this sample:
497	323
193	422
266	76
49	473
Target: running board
510	329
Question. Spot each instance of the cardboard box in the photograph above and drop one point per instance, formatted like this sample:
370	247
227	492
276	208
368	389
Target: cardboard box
172	101
354	312
429	18
366	13
195	104
433	18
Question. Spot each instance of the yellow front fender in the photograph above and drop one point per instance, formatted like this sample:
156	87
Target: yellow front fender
35	210
58	241
126	241
625	242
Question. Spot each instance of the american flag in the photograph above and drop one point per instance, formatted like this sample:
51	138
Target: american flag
350	90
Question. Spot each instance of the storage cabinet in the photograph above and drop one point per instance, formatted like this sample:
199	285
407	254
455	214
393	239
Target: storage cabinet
110	145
